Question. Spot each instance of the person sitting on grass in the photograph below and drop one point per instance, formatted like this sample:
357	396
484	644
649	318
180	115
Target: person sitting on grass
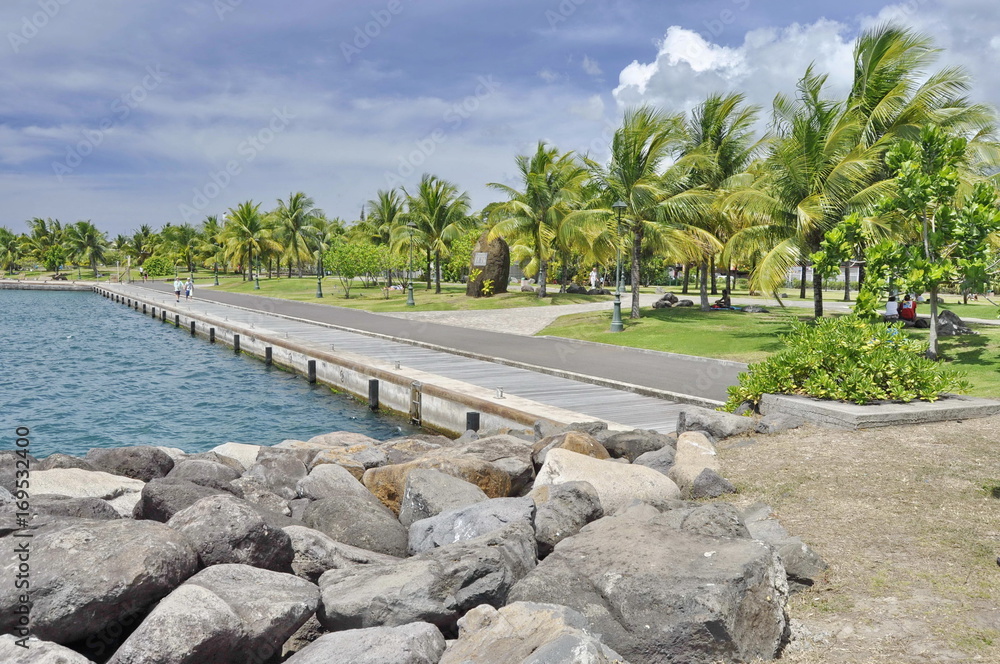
908	309
724	302
891	309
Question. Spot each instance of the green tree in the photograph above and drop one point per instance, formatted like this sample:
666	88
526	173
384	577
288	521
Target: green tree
183	243
86	244
441	214
247	237
350	260
11	249
295	228
45	242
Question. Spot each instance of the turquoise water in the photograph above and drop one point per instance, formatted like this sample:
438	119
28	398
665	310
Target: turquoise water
83	372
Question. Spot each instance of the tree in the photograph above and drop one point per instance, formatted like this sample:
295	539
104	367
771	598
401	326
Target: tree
183	242
295	226
441	214
45	242
551	191
143	244
11	249
350	260
247	236
211	241
86	244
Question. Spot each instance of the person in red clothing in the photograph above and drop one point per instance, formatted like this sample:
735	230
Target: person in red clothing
908	309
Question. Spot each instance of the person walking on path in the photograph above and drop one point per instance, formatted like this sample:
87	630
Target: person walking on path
593	278
178	287
188	289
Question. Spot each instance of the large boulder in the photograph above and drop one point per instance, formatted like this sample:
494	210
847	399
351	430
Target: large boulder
716	423
34	651
802	565
509	453
356	458
225	529
316	553
331	481
490	262
527	633
388	483
164	497
88	575
415	643
695	453
711	519
122	492
561	510
54	461
358	521
81	508
657	594
469	522
430	492
226	614
950	325
12	461
616	483
437	586
205	473
242	453
281	470
141	462
256	491
336	439
661	460
633	444
574	441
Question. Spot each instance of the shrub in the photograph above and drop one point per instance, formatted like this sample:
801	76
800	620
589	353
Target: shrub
848	359
158	266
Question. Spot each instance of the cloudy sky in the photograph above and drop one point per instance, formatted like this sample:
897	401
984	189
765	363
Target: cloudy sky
127	112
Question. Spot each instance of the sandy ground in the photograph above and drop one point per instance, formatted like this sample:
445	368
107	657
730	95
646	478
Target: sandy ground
905	518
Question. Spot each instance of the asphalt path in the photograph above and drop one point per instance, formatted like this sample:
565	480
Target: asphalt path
612	365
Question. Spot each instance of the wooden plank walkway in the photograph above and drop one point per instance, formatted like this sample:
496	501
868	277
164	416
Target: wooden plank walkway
626	408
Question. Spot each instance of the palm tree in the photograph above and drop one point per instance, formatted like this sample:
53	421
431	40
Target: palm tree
441	214
143	243
384	213
211	242
11	249
183	242
295	225
552	185
247	236
45	242
86	244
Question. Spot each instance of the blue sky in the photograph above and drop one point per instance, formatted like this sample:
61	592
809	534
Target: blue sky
153	112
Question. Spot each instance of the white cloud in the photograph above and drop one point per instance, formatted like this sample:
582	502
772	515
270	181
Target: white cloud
548	76
591	67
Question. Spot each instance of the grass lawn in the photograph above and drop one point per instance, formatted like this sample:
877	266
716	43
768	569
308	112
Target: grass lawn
733	335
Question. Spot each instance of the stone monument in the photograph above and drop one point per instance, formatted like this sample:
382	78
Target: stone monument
490	262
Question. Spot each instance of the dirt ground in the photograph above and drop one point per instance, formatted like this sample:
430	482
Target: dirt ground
907	519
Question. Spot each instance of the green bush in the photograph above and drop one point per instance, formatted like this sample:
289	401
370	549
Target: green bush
158	266
847	359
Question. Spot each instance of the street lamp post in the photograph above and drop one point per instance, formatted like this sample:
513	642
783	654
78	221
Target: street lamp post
409	277
616	318
256	276
216	274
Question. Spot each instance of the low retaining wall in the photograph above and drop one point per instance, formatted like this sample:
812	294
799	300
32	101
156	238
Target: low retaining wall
840	415
16	284
433	401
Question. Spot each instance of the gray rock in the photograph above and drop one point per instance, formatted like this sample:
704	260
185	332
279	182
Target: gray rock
298	508
11	461
255	491
467	437
360	522
315	553
709	484
546	428
561	510
713	520
225	529
509	453
662	304
437	586
280	469
632	444
661	460
802	564
950	325
716	423
162	498
63	461
429	492
81	508
205	473
79	483
308	633
755	309
469	522
684	303
6	497
589	428
415	643
89	575
778	422
329	480
215	457
141	462
709	598
527	633
37	652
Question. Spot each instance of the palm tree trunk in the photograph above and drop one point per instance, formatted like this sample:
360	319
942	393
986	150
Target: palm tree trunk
703	283
711	271
932	341
817	294
636	255
729	279
687	278
437	271
847	282
428	268
802	282
543	277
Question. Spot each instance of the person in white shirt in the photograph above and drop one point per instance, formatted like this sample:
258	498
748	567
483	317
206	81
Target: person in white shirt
892	309
593	278
178	287
188	289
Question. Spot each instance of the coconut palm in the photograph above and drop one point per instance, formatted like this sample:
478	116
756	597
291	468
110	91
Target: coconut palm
45	242
86	244
183	242
143	244
294	221
441	214
384	213
247	236
11	249
551	192
211	242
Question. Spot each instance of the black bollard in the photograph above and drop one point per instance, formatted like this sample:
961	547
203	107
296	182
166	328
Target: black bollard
236	343
472	421
192	328
211	335
268	355
312	371
373	393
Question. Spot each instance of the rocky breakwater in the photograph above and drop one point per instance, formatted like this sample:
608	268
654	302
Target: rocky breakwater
554	545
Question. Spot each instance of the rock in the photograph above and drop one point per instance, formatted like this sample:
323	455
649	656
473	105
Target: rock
6	497
213	457
437	586
616	484
661	460
316	553
409	448
656	594
490	262
357	521
79	483
308	633
950	325
574	441
469	522
527	289
709	484
37	652
415	643
55	461
389	482
205	473
467	437
922	323
777	422
599	291
695	453
281	472
331	481
81	508
561	510
255	491
89	575
363	456
225	529
670	297
684	303
341	439
713	520
175	453
546	428
802	565
662	304
162	498
246	455
633	444
716	423
140	462
298	507
430	492
509	453
755	309
576	289
527	633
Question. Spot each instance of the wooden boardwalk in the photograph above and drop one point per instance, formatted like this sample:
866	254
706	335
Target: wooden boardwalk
634	411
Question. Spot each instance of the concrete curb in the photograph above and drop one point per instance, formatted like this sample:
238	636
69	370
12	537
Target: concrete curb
839	415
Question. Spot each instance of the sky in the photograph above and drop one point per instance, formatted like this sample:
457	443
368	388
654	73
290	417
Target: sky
141	112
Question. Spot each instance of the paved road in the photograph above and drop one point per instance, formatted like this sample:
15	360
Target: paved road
664	372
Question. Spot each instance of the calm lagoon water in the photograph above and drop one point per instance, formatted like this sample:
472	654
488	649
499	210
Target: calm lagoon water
83	372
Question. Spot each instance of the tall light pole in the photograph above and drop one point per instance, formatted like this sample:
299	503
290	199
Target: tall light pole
319	267
616	317
216	273
409	277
